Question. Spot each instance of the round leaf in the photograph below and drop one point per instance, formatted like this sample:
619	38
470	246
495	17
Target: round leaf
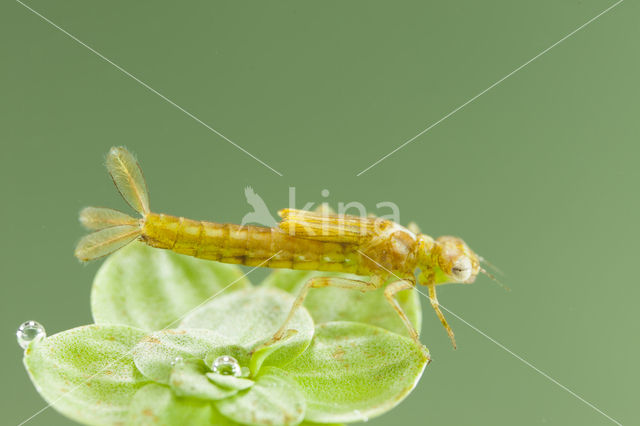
189	378
274	399
251	317
229	382
353	371
87	373
305	423
150	289
337	304
155	405
154	354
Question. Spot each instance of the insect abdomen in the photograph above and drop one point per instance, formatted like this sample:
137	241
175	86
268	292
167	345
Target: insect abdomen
247	245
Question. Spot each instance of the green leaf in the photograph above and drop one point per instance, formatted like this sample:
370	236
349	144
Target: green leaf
189	378
230	382
250	318
354	371
150	289
274	399
337	304
87	373
155	353
156	405
305	423
261	353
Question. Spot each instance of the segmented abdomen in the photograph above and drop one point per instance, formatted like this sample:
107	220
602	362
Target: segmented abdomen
247	245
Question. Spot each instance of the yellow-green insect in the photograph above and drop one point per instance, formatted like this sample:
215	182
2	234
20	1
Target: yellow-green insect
373	248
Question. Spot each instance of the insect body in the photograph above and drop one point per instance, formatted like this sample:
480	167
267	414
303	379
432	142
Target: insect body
377	250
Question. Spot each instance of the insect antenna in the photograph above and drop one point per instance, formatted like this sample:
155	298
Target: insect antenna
493	278
491	265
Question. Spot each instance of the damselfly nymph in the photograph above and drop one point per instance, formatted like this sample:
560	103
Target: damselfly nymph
379	251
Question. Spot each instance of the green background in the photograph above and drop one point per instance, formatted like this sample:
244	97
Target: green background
540	174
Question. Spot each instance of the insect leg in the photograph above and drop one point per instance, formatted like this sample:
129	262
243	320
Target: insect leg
390	293
318	282
436	307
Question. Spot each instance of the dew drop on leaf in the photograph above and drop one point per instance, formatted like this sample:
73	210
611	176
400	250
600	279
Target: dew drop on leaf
30	331
177	361
227	366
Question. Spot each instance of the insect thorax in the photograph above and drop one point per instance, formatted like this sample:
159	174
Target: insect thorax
395	251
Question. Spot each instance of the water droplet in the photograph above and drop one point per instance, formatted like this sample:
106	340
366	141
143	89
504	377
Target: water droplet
177	361
227	365
30	331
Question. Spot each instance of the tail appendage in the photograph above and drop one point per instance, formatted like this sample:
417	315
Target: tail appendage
114	229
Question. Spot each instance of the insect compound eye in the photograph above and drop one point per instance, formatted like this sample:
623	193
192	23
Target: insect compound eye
461	270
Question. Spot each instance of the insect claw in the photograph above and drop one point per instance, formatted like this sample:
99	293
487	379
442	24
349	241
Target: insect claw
453	339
